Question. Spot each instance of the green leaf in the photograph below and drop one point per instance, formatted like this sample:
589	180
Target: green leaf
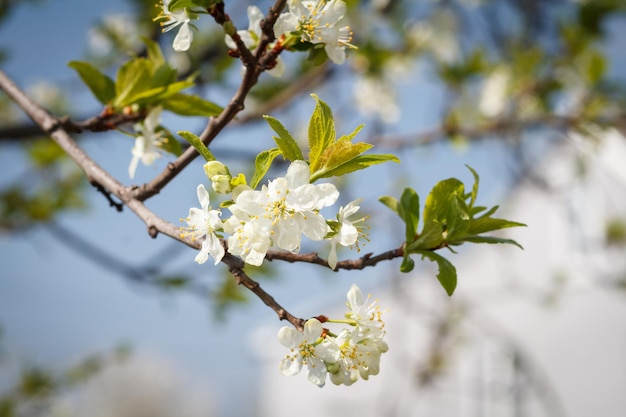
392	203
262	164
488	224
596	66
437	202
457	218
474	187
351	136
286	143
491	240
102	87
447	271
189	105
430	238
157	94
407	264
360	162
197	143
134	77
410	213
154	52
164	75
321	132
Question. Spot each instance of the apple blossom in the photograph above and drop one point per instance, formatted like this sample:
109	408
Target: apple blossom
367	317
205	222
308	348
147	143
280	212
344	230
181	18
316	21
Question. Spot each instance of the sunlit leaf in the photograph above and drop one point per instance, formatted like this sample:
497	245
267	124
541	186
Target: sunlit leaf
197	144
262	164
190	105
102	87
321	132
447	271
286	143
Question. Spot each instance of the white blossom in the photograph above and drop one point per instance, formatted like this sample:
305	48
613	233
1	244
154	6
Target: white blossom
204	222
310	349
148	142
359	357
345	230
494	94
366	315
316	21
174	19
279	213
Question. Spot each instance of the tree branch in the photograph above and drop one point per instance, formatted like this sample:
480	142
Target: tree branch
215	124
102	179
349	264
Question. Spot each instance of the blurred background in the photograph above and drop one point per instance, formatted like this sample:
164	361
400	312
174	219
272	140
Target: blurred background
99	319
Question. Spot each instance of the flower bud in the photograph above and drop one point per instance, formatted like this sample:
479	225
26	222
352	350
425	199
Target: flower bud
213	168
221	184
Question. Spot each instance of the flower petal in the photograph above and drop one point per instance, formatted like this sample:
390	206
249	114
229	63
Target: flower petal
298	174
183	39
290	366
203	197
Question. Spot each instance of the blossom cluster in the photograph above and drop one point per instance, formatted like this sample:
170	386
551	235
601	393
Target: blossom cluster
347	356
277	215
316	22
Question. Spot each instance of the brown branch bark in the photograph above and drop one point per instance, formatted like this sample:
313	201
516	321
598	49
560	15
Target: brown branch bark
350	264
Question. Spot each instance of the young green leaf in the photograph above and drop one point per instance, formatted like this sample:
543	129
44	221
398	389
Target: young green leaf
410	209
407	264
133	77
321	132
391	202
491	240
286	143
447	271
197	143
102	87
155	56
438	201
488	224
355	164
430	238
474	187
190	105
157	94
262	164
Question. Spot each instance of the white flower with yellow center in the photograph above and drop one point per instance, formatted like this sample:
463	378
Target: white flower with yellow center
280	212
359	357
345	230
180	17
147	143
366	315
316	21
204	222
310	349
